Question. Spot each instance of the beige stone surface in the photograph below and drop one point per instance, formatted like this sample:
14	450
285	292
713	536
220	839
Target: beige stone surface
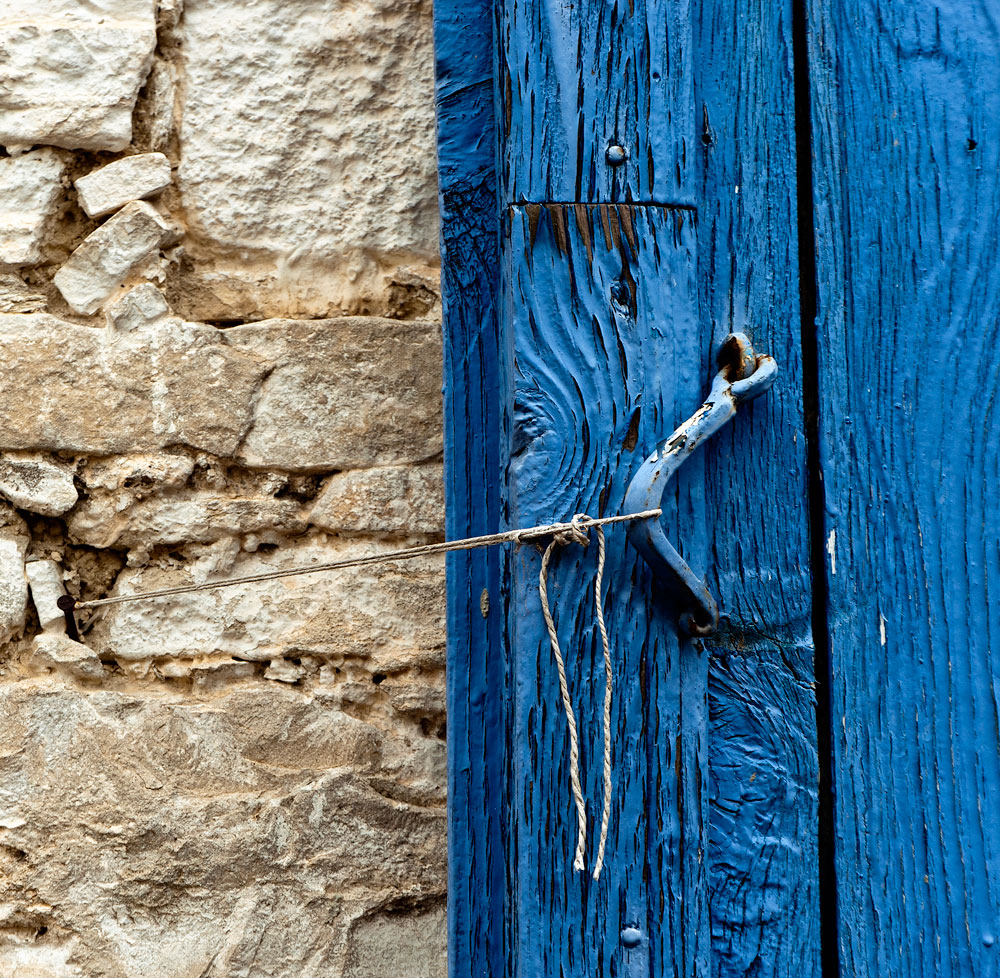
307	396
390	613
246	782
99	391
14	539
45	584
70	72
131	178
307	153
54	651
17	296
30	190
385	499
138	470
140	306
344	393
37	483
178	516
252	831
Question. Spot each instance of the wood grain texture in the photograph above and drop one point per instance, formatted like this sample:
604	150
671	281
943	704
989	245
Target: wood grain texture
606	330
478	910
605	355
907	189
576	78
762	855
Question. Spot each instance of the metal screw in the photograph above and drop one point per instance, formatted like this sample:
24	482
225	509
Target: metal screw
615	155
631	936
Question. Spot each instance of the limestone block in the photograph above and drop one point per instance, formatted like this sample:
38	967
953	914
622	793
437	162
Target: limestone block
140	306
233	833
385	499
45	581
138	470
13	584
343	394
340	188
393	943
37	483
70	73
30	188
17	296
102	263
395	609
115	185
153	120
178	516
97	391
284	671
320	395
51	650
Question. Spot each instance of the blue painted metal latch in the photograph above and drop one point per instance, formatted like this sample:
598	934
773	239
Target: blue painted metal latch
742	376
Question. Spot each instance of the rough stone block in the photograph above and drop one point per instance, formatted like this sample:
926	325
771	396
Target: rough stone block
51	650
360	611
17	296
45	581
70	73
98	391
344	393
394	943
340	189
115	185
308	396
13	583
176	516
252	831
30	187
135	469
386	499
37	483
102	263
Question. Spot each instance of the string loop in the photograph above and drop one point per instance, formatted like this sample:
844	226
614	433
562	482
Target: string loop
577	533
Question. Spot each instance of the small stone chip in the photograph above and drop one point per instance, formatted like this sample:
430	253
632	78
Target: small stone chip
45	579
101	264
141	306
132	178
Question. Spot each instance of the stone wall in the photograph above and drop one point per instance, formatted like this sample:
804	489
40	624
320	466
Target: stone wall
221	356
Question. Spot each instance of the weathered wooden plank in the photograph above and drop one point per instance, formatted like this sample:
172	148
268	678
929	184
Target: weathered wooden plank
605	344
477	675
906	98
762	852
577	78
607	355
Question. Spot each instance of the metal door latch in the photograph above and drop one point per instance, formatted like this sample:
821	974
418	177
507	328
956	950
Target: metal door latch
742	377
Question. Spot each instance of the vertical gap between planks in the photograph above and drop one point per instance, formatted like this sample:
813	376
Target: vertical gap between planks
829	936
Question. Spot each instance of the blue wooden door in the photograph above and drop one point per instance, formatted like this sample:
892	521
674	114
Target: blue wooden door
813	789
905	107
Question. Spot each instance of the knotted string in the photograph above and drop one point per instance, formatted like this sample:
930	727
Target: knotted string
576	533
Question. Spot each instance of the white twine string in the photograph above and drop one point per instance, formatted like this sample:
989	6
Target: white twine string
608	688
577	534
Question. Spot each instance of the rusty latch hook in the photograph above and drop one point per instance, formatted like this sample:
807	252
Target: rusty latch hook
742	377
